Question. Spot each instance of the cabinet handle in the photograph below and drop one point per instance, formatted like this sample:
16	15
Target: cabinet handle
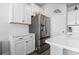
20	38
31	36
22	20
27	41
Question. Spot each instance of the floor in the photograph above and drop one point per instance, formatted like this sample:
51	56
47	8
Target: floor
47	52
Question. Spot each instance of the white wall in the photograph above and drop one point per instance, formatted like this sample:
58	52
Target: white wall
7	28
58	21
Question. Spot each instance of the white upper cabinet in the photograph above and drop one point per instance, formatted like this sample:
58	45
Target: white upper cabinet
46	12
27	15
35	9
73	17
19	13
78	17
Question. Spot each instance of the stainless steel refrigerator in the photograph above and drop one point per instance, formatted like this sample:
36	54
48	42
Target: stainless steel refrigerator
41	27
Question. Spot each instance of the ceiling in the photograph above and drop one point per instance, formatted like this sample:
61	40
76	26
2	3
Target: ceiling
68	4
41	4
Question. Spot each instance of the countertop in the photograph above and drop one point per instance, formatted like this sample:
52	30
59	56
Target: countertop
69	41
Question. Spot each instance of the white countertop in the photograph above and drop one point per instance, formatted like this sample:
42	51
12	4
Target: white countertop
67	41
18	35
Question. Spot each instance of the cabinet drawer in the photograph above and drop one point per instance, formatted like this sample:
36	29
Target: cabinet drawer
23	38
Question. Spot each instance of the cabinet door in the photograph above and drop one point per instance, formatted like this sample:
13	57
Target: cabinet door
27	14
35	9
46	12
18	12
31	45
71	17
20	48
78	17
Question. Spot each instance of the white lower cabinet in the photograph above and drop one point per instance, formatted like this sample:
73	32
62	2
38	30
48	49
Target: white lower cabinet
20	48
30	45
21	45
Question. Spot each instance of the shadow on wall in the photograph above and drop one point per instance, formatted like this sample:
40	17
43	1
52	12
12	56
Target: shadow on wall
0	47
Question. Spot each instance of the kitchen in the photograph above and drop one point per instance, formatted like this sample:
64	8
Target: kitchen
29	28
